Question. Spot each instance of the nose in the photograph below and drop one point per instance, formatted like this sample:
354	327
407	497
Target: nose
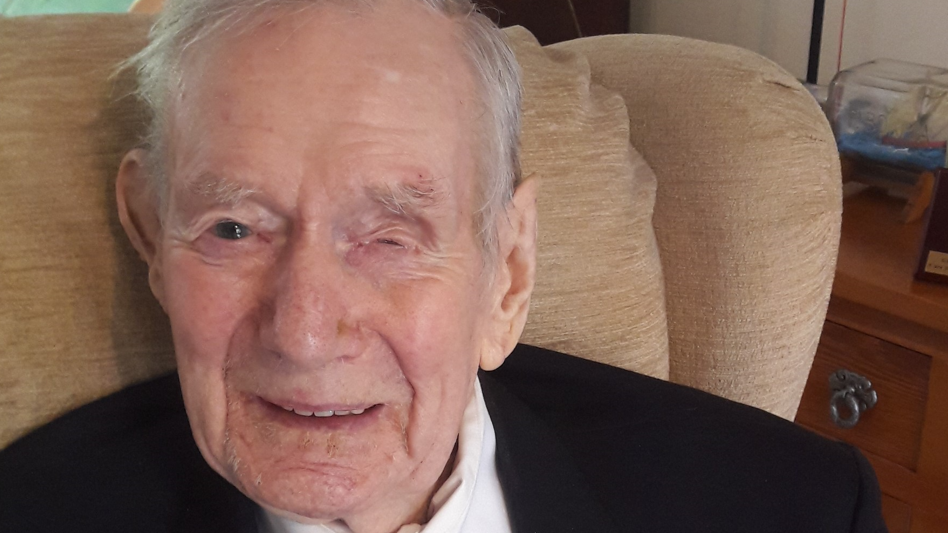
308	319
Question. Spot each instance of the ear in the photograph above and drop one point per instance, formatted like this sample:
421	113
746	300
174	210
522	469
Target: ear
138	212
515	276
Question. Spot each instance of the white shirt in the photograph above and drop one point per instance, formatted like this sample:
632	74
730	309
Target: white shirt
469	501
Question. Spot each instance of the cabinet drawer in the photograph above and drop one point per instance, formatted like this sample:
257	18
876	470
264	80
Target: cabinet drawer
892	429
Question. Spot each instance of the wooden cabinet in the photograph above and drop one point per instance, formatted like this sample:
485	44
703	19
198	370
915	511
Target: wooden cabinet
883	325
893	428
553	21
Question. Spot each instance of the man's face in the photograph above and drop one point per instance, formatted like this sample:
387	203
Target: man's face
318	255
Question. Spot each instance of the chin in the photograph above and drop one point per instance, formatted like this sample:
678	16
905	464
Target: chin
309	474
308	498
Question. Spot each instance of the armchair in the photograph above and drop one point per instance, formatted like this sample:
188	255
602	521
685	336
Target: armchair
713	271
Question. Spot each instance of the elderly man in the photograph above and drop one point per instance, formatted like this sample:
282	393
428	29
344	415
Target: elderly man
331	211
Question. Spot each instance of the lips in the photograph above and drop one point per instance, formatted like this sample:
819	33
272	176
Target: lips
312	412
322	416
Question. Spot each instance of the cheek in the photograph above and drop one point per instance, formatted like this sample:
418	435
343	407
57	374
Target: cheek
436	337
435	341
438	326
204	306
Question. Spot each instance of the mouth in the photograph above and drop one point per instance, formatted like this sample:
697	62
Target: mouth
324	414
321	417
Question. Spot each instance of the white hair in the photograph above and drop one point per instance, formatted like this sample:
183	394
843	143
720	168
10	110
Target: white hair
185	24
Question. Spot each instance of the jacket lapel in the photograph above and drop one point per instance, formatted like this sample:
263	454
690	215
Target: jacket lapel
543	489
226	511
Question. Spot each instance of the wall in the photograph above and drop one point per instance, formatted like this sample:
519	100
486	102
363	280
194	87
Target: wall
778	29
915	30
911	30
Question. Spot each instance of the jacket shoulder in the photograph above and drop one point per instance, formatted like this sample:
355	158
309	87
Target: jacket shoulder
669	456
126	462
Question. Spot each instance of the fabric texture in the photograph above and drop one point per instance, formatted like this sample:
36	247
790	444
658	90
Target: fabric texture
599	292
581	446
77	320
747	213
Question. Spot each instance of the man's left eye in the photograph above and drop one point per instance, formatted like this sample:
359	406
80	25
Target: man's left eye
389	242
230	230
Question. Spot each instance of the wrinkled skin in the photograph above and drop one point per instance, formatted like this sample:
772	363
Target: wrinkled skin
317	251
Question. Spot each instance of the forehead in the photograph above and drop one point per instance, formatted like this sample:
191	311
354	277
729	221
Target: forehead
327	84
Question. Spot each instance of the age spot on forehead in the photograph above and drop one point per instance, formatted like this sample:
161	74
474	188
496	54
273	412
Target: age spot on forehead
391	76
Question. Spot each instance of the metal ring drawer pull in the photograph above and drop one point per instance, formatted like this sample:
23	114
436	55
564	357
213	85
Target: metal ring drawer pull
853	391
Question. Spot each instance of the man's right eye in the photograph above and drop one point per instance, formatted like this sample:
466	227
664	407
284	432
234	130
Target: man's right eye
230	230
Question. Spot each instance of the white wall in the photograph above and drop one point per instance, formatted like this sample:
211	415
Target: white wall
913	30
910	30
778	29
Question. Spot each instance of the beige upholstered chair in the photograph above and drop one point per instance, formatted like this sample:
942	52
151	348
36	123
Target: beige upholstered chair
714	271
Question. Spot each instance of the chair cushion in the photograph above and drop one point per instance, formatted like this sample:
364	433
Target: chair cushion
747	213
599	292
77	320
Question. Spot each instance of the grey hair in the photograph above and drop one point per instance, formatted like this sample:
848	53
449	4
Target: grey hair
185	24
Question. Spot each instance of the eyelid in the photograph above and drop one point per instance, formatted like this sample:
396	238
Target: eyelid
400	234
391	242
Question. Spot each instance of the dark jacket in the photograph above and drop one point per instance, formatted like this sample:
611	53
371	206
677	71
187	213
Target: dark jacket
580	447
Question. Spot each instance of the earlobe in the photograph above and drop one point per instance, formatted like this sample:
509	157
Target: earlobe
138	212
515	277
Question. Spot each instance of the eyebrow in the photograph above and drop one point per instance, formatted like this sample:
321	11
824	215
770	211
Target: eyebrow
219	189
402	199
405	199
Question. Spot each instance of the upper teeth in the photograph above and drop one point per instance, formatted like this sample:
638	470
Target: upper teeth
324	414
